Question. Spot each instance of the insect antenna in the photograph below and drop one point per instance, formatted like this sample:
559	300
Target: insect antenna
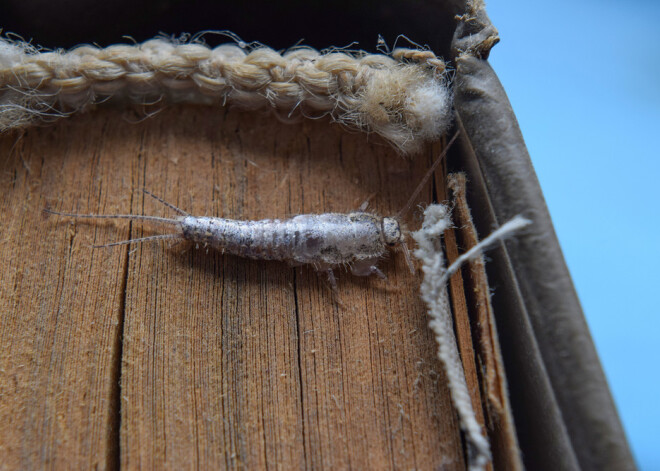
411	200
140	239
114	216
428	174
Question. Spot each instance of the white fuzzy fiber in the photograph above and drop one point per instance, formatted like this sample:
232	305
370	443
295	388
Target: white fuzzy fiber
434	293
403	96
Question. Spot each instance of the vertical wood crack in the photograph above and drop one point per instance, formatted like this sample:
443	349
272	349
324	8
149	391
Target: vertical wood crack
300	366
114	435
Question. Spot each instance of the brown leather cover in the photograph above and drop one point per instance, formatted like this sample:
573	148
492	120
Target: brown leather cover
564	413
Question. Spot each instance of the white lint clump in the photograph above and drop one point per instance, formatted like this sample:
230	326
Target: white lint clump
408	105
429	107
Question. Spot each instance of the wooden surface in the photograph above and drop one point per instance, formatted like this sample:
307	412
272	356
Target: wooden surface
153	356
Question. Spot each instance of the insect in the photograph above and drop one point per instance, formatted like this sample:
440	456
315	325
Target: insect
326	241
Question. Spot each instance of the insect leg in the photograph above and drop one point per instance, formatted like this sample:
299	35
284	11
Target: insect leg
331	279
367	268
365	204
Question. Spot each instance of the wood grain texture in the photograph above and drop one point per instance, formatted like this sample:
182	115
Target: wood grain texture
163	357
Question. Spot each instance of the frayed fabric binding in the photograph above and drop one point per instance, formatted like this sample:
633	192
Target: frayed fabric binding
434	293
403	96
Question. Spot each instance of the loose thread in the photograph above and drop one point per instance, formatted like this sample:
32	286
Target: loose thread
434	293
501	233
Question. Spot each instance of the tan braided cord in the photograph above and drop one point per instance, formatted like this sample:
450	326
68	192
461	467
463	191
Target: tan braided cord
402	96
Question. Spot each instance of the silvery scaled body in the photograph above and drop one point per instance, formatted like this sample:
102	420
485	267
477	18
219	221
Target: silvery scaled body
357	240
327	240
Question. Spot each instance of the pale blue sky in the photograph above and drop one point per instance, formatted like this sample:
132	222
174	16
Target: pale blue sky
584	81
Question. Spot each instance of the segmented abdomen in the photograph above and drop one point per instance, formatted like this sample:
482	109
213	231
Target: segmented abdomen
329	238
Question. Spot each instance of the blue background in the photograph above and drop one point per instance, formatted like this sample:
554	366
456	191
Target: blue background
584	81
